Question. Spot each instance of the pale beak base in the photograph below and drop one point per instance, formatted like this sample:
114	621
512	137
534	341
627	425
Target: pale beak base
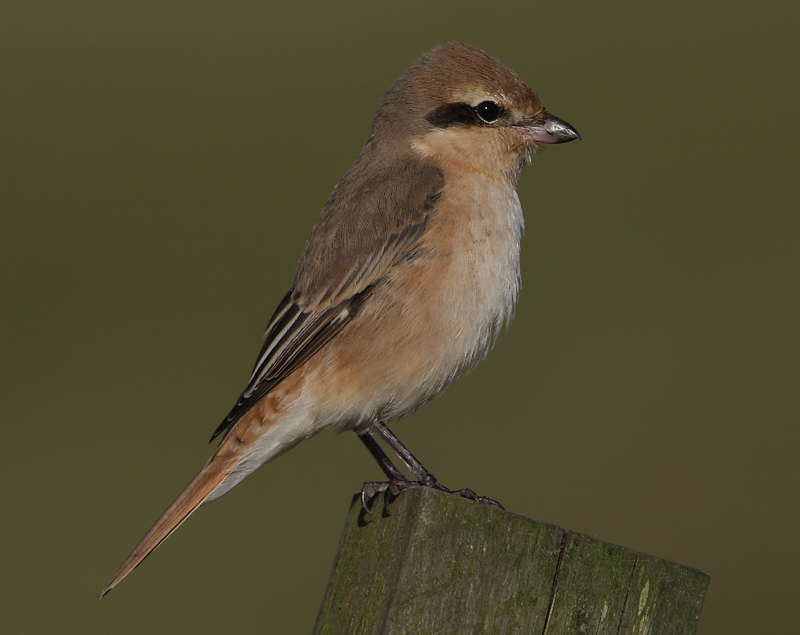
552	130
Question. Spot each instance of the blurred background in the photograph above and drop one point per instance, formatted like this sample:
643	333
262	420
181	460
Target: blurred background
161	164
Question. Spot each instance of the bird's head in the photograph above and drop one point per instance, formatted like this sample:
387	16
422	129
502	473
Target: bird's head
459	105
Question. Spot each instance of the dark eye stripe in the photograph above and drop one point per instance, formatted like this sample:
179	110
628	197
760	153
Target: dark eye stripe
449	115
461	114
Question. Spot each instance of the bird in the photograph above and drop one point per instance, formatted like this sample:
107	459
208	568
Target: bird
410	272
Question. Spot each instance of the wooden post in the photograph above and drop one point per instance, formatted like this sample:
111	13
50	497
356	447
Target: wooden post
429	562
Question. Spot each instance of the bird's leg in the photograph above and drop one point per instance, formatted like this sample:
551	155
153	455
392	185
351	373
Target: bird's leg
392	473
417	469
370	488
395	485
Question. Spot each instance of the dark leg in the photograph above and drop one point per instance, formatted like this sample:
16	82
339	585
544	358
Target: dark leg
417	469
392	473
370	488
397	482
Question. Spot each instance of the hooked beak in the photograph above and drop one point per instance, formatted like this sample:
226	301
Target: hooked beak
551	129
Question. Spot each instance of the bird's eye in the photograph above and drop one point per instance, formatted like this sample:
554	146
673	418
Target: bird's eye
488	111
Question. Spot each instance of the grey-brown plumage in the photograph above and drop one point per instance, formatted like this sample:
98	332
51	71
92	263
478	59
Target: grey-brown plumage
405	280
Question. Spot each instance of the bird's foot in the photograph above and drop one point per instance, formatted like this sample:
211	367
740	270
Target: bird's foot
468	493
395	486
370	489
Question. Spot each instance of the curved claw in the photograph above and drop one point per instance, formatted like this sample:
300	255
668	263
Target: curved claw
468	493
395	486
369	490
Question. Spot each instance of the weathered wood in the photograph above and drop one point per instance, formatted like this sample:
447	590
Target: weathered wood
429	562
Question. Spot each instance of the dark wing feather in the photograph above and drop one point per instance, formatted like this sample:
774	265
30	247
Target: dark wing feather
345	257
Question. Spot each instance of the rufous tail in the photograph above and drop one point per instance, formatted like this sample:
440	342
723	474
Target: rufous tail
189	500
257	438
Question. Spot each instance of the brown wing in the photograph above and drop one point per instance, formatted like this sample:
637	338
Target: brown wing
347	254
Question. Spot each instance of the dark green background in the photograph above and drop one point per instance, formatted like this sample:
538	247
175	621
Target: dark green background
161	166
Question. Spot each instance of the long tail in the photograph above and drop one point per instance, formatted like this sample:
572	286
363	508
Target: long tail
189	500
257	438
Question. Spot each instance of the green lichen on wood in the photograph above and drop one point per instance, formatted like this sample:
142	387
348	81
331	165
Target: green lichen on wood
428	562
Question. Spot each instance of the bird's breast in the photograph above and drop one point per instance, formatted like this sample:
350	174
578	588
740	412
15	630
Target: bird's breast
437	312
474	243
